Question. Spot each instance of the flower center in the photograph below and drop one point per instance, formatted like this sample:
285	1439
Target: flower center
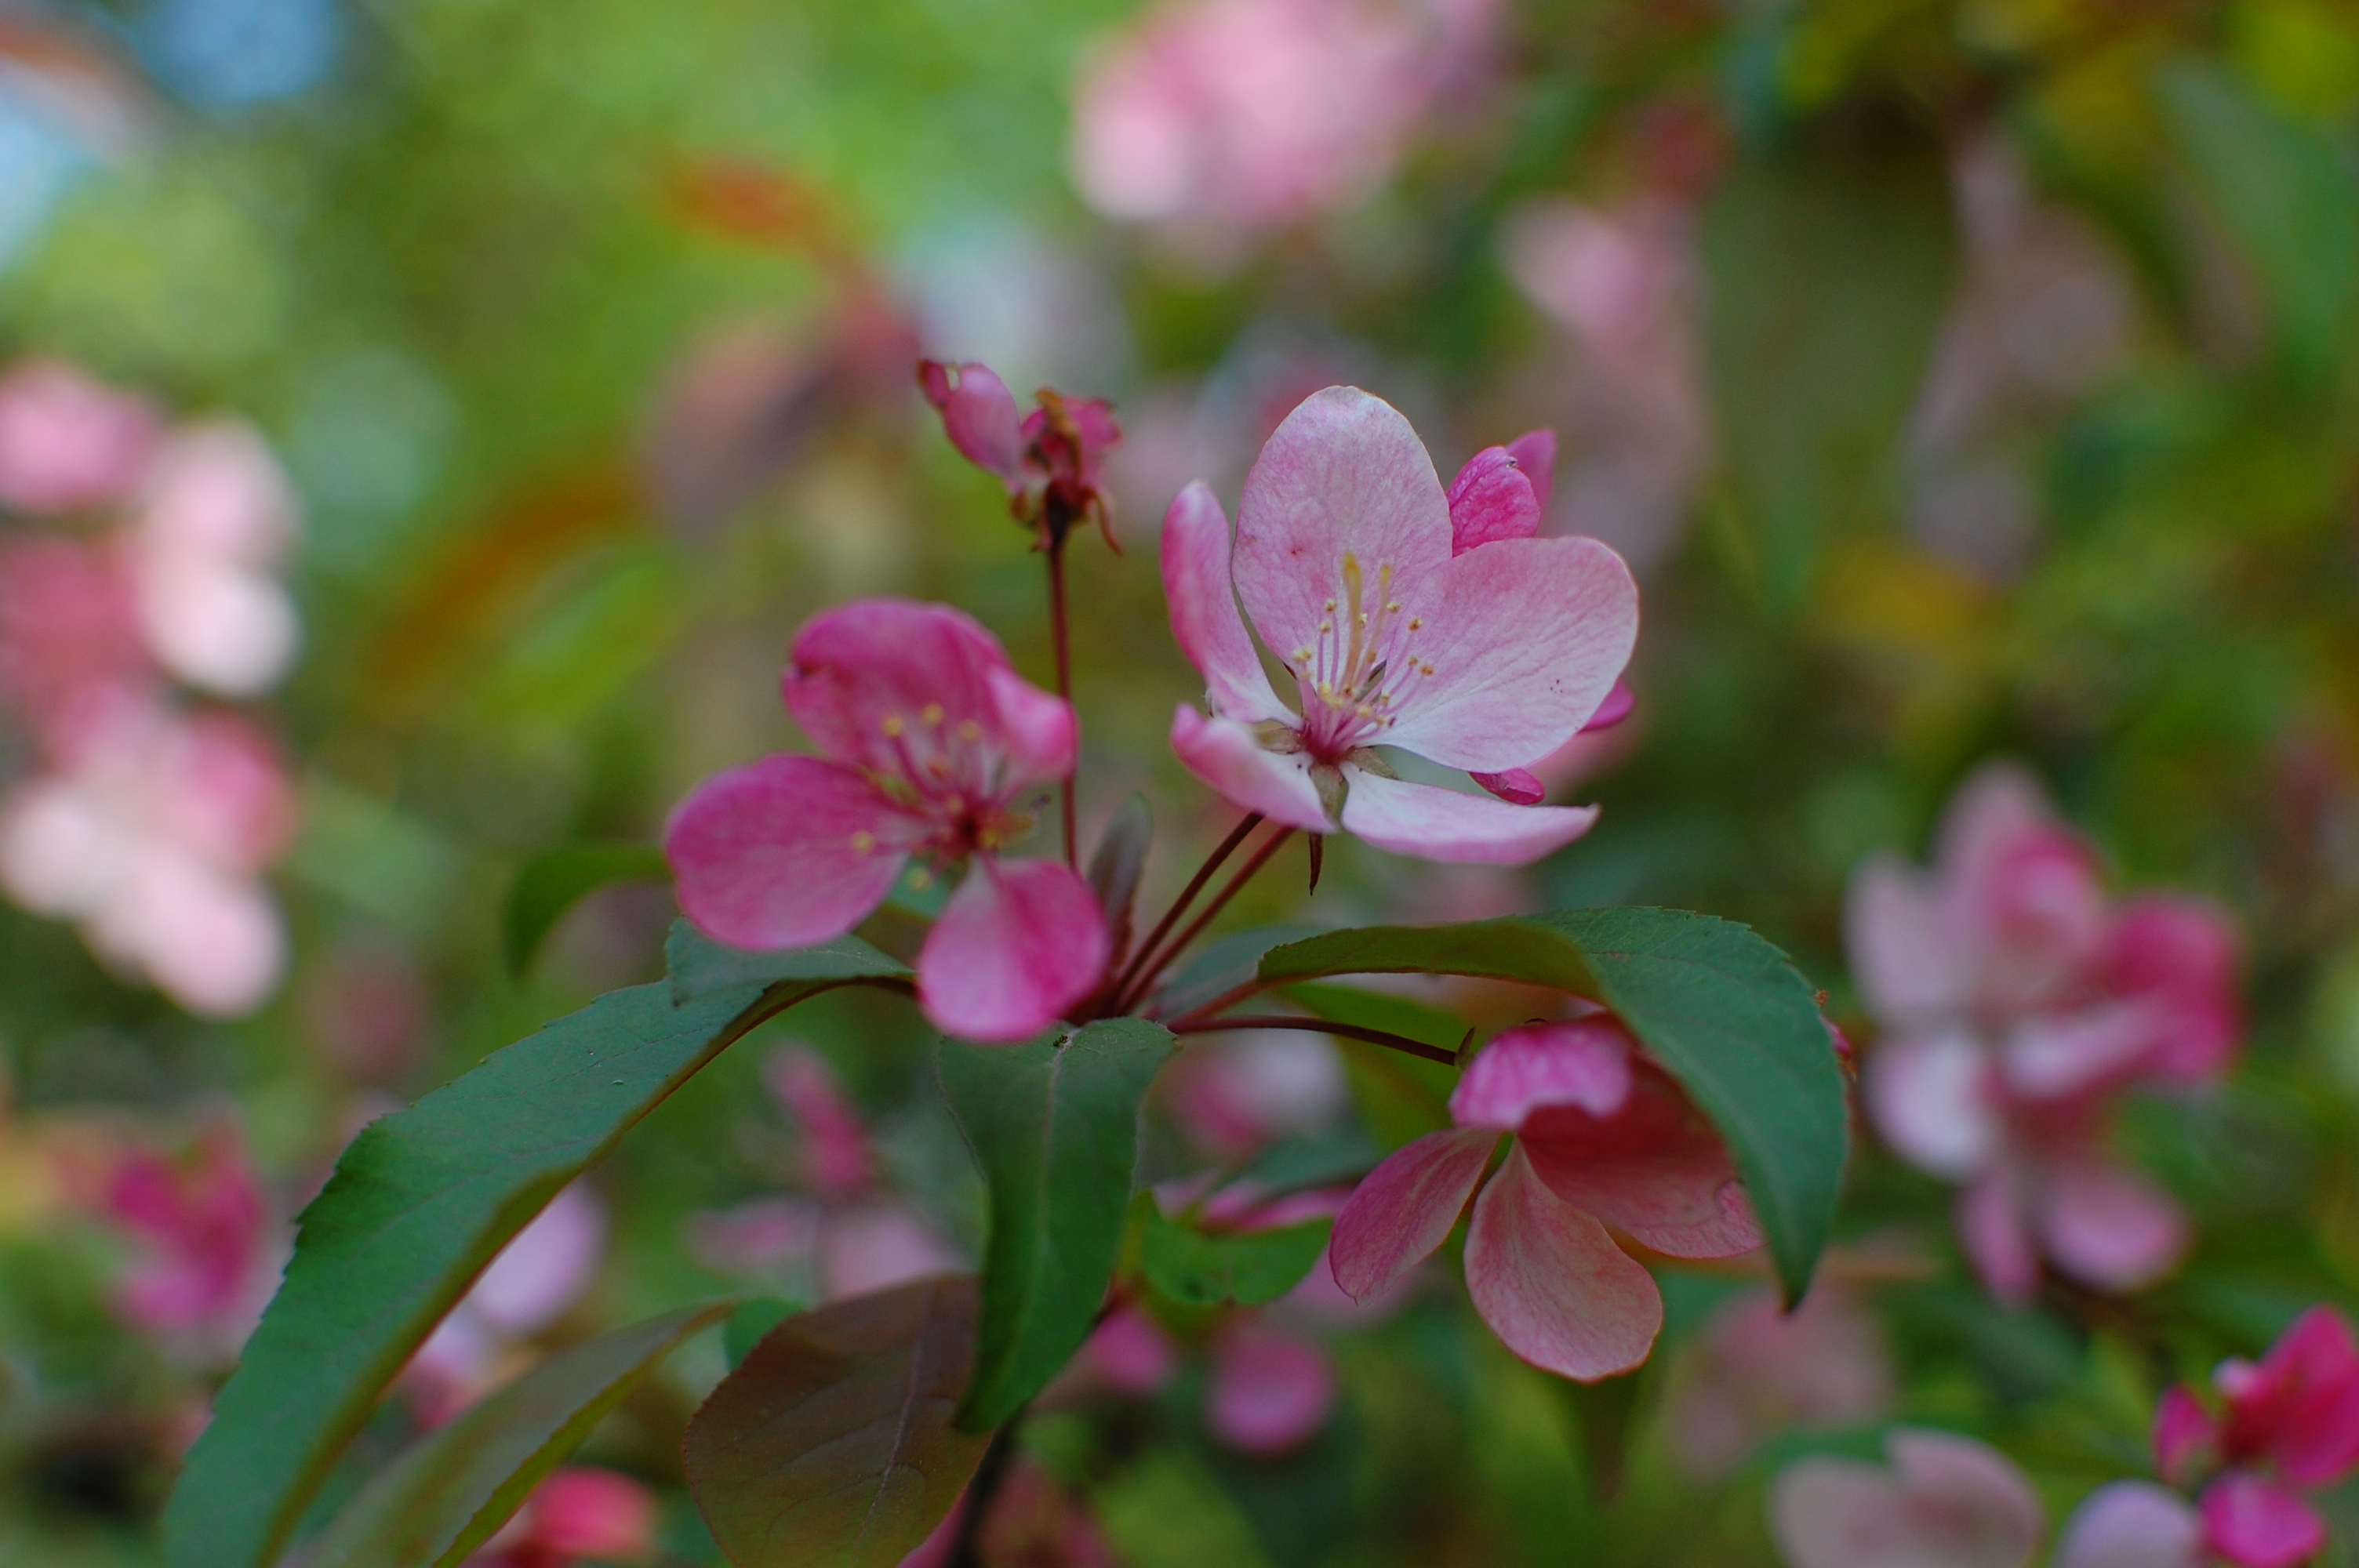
950	774
1355	677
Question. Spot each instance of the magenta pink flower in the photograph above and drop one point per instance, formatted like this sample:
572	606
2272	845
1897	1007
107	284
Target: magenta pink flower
929	742
1051	461
1271	1391
68	442
835	1155
576	1515
1410	617
2018	1005
2288	1424
202	1228
70	645
1602	1137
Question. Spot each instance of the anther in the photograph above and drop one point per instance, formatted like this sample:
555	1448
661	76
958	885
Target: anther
931	713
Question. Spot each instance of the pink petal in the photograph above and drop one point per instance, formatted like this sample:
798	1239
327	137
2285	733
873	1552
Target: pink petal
1404	1209
2057	1055
1204	618
1130	1352
1619	704
1997	1241
979	415
1585	1064
2183	1435
1342	475
1270	1392
786	851
1491	499
2256	1522
2301	1405
1535	453
2108	1226
2184	952
1653	1167
1039	738
1230	757
1436	824
68	442
877	1246
835	1143
582	1512
1842	1513
1524	638
1516	786
1968	1497
1929	1096
545	1266
1908	957
2131	1524
1017	944
1552	1283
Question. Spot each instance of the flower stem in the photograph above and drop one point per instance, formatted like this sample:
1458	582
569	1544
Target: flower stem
1228	846
966	1548
1144	968
1060	636
1401	1043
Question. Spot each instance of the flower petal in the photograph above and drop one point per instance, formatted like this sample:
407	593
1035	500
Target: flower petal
1270	1392
1908	960
1552	1283
1436	824
1619	704
1038	736
2301	1405
1997	1241
1017	944
1198	590
1227	755
2183	1435
1585	1063
1491	499
1524	638
979	415
1841	1513
2131	1524
785	852
2255	1523
2185	952
1404	1209
1516	786
2108	1226
1535	453
1929	1096
1653	1167
1976	1509
1344	474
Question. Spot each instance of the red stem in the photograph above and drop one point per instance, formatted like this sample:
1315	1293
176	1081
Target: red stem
1144	970
1228	846
1060	635
1401	1043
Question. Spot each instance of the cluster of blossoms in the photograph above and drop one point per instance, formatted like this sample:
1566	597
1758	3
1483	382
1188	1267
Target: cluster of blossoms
146	819
2020	1003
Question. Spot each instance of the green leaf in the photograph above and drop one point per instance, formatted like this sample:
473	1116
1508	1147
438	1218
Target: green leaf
2285	196
701	966
1829	265
454	1487
1716	1005
1221	968
1199	1268
419	1203
750	1322
1055	1126
833	1445
555	881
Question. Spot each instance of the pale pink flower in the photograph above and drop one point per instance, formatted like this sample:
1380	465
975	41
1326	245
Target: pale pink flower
2018	1002
930	738
1271	1391
835	1155
1256	1086
1759	1371
70	647
153	838
1409	616
1243	114
2288	1425
541	1273
1051	461
215	519
1601	1136
1129	1352
876	1244
578	1514
68	442
202	1228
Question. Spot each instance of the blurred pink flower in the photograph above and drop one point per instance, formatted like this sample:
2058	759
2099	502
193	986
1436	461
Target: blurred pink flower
1759	1371
577	1514
1254	1086
153	838
70	645
1035	1522
1442	628
836	1144
2019	1003
1270	1392
2289	1425
1051	461
215	519
69	442
1241	114
542	1270
203	1232
1129	1352
1601	1136
876	1244
930	738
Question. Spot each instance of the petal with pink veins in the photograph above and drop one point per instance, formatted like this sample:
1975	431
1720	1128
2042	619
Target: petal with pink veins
1584	1063
1491	499
1535	453
1017	944
1344	474
2256	1522
1929	1096
1653	1168
1205	616
1524	639
980	417
1436	824
1552	1283
2132	1524
786	851
2108	1226
1038	737
1230	758
1270	1392
1516	786
1404	1209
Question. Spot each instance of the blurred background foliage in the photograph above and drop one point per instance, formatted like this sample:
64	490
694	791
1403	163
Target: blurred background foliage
1962	378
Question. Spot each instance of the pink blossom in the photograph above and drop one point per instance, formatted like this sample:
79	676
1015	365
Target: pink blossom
1271	1391
577	1514
1447	632
1601	1136
1254	1086
2131	1524
68	442
216	517
202	1230
928	739
541	1273
2019	1003
1759	1371
1130	1353
1051	461
836	1144
2288	1424
1946	1502
70	645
